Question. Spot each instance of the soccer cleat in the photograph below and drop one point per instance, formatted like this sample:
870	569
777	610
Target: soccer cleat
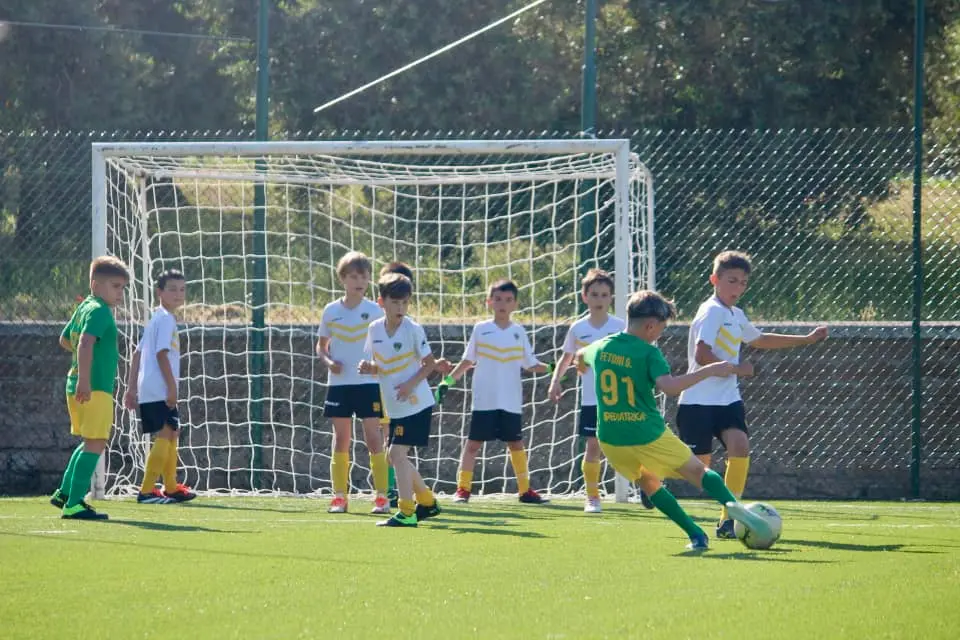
532	497
593	505
182	494
422	512
699	542
154	497
399	520
337	505
750	520
462	495
82	511
59	499
645	500
380	506
725	530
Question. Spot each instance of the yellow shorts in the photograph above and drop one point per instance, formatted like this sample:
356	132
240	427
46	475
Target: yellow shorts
93	419
661	457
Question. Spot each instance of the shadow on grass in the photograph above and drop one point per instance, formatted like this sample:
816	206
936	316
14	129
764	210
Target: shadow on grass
487	513
488	531
850	546
186	550
193	504
773	555
834	514
164	526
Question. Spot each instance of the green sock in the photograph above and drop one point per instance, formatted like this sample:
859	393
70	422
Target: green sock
68	472
391	480
82	474
713	485
665	502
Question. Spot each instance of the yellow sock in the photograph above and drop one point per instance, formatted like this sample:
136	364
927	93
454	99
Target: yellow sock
426	498
735	478
155	464
407	507
591	477
170	466
519	459
381	471
339	470
464	480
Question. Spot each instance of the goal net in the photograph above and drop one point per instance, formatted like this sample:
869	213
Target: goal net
258	228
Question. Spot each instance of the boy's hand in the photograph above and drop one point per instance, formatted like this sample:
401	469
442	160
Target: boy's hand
366	367
555	392
130	400
722	369
443	366
581	363
404	390
172	399
818	335
83	391
335	366
745	370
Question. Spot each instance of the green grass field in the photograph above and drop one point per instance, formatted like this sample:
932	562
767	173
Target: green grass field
284	568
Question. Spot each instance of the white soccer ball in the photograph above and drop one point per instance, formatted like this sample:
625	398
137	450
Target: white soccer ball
750	538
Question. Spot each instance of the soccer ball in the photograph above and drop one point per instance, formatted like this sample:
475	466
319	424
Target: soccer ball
749	538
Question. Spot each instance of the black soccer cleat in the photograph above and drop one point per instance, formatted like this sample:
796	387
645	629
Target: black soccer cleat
59	499
423	512
82	511
725	530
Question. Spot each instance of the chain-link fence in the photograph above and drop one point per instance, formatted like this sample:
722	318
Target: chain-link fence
826	214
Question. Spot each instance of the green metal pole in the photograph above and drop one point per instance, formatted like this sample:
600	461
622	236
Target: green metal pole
259	286
918	101
588	125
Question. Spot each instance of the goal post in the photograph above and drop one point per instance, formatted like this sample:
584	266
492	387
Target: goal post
462	213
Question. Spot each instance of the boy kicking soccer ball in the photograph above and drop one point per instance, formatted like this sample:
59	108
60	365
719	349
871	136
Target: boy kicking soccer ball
631	430
152	390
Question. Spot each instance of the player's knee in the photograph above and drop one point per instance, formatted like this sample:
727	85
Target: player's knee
736	442
515	445
168	433
473	447
649	483
94	446
593	453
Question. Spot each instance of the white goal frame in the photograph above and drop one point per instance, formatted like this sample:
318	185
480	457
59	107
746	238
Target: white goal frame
618	148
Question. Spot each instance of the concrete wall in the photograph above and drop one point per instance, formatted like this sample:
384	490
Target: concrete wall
829	421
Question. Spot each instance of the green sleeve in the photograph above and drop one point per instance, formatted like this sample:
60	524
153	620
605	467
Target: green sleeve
590	352
97	323
657	365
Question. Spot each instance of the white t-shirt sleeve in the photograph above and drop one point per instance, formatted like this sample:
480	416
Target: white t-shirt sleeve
323	331
570	342
749	332
163	333
421	346
529	358
471	352
368	344
710	327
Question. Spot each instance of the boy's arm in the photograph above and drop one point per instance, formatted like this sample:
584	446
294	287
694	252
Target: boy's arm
163	360
323	352
65	344
556	390
784	341
130	396
368	365
673	385
84	361
427	365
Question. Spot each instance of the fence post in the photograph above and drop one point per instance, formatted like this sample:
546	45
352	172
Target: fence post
917	418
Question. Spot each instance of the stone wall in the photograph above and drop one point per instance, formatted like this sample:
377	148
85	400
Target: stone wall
828	421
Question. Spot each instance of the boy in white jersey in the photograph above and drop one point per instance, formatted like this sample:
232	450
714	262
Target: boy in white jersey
397	353
340	345
500	350
597	295
713	408
152	390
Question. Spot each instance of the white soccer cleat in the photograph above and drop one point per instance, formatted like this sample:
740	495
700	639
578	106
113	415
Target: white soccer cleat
381	506
593	505
337	505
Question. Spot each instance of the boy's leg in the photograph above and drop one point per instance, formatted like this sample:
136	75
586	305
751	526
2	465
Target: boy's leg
170	432
156	465
591	474
60	496
737	443
95	420
340	462
468	460
405	474
83	472
518	458
373	437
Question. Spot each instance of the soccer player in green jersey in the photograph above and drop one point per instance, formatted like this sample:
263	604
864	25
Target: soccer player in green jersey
633	436
91	338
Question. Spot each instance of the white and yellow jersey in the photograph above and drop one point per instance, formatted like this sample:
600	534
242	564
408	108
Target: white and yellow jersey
581	334
500	356
723	329
398	359
159	335
347	330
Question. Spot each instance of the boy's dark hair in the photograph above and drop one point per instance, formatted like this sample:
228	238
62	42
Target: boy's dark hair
354	261
167	276
596	276
503	286
108	267
394	286
397	267
731	260
650	304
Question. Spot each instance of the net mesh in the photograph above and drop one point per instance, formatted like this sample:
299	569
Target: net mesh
460	220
